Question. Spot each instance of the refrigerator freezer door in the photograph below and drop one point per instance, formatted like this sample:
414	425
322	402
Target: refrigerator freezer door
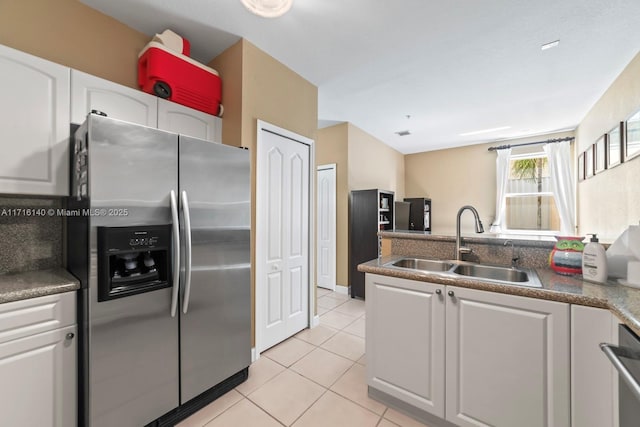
215	333
133	341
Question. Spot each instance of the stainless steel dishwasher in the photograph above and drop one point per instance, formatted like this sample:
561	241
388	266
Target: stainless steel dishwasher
626	359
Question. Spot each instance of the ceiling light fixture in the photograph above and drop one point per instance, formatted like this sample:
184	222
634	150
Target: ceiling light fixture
403	133
268	8
478	132
550	45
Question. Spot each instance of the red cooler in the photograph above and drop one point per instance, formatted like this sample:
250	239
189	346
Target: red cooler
178	78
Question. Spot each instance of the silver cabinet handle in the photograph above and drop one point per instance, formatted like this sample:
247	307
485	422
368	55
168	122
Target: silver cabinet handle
610	351
187	255
450	293
438	292
176	253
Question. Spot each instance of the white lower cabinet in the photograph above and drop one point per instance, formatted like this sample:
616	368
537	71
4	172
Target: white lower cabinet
594	380
473	358
507	360
405	341
38	355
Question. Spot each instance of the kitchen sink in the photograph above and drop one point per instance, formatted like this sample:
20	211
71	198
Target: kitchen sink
493	273
423	264
452	269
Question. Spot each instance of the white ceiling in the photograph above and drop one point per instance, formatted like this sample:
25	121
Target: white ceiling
453	66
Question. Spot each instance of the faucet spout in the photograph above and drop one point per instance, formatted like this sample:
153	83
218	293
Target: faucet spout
460	250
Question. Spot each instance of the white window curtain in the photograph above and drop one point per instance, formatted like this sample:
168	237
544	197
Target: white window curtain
502	179
559	155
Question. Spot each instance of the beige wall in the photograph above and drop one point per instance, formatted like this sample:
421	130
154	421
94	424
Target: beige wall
332	147
257	86
455	177
229	66
373	164
72	34
363	162
452	178
609	202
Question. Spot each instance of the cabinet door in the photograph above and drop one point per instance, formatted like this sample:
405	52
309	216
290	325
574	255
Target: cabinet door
187	121
594	380
405	341
39	379
116	101
507	360
34	125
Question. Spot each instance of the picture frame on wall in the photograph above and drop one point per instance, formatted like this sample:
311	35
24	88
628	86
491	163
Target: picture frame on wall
614	146
632	136
581	167
588	162
600	155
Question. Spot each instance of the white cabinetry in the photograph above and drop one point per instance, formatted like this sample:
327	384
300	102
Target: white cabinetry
124	103
187	121
594	380
500	360
34	125
38	362
116	101
507	360
405	341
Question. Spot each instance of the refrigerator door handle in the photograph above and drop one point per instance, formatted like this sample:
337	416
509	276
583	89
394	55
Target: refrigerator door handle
187	246
176	253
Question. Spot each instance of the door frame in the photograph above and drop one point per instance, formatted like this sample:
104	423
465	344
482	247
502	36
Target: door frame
260	234
333	167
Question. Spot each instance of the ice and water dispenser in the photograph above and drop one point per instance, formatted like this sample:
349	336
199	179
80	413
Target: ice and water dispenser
133	260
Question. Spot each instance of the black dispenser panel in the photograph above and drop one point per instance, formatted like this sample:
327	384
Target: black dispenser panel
133	260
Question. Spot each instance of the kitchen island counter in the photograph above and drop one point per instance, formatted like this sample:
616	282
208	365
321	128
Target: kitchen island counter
621	300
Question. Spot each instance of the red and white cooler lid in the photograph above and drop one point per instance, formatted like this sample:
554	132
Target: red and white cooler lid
174	42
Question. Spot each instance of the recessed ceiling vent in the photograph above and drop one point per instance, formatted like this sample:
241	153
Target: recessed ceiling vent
403	133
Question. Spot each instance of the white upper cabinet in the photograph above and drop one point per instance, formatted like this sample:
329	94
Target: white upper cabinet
177	118
34	125
116	101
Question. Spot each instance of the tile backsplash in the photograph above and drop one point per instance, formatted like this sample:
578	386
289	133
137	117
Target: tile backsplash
30	233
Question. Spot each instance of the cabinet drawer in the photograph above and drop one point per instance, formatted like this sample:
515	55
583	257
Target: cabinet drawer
32	316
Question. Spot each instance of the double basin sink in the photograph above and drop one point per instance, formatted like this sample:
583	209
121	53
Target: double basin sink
462	269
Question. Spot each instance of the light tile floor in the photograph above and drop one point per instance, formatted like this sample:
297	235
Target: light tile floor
316	378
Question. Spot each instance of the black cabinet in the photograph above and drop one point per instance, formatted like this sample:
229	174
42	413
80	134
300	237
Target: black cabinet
369	212
419	213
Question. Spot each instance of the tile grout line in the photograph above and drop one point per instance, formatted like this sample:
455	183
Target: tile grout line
211	420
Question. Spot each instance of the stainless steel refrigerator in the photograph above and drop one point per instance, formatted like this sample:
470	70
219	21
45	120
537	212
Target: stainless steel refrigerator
159	235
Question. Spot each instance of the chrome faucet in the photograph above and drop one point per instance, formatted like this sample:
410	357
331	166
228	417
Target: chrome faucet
479	229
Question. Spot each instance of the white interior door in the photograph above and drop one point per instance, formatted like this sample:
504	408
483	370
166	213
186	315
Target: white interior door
326	233
282	235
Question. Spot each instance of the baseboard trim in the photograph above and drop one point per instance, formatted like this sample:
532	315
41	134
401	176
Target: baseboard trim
344	290
254	354
315	321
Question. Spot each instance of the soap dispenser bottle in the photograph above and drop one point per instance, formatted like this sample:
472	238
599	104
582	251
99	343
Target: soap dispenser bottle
594	261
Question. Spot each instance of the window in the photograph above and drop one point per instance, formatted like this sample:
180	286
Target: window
529	199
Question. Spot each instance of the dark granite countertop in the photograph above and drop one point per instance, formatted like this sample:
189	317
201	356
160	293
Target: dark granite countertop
32	284
622	301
